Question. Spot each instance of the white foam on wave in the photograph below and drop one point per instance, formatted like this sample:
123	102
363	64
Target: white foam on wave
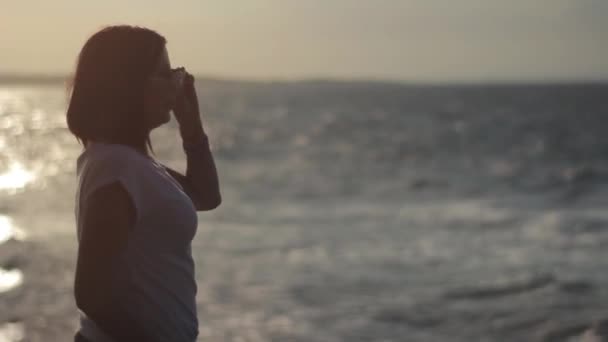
450	211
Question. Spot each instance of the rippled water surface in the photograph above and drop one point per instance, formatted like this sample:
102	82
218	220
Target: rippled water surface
351	212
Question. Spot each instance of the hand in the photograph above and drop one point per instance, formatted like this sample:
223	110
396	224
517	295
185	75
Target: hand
186	109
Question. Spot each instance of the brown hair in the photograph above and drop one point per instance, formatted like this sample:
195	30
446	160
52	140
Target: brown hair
106	100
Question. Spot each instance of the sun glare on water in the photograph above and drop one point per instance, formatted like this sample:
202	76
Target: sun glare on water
15	177
9	231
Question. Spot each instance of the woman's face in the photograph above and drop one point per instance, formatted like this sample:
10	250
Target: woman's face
160	93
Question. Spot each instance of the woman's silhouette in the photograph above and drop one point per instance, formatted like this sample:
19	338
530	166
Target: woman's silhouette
136	217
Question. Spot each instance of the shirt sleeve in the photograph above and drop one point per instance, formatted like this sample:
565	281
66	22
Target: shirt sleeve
106	169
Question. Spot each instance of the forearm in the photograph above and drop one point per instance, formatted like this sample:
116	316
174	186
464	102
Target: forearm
200	170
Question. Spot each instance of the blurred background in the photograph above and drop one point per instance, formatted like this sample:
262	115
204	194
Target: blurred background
391	170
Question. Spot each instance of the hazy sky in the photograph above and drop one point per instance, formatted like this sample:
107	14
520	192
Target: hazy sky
416	40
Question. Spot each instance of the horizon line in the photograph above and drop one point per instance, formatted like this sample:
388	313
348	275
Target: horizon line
53	78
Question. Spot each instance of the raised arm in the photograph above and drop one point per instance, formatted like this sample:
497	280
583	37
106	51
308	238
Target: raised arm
201	180
209	197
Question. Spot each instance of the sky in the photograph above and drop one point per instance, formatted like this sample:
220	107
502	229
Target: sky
404	40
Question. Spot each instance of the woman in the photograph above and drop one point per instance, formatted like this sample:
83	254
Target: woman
136	217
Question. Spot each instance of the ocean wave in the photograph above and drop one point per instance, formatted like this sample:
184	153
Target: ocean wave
499	290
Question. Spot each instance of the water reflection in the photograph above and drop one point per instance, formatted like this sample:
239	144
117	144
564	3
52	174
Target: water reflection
16	177
12	332
10	279
9	231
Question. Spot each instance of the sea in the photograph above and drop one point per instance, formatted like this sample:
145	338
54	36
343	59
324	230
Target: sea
352	211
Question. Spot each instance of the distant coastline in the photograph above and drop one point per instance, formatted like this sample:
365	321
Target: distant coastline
58	79
26	79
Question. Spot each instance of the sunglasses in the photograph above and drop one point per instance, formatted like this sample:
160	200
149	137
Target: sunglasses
177	76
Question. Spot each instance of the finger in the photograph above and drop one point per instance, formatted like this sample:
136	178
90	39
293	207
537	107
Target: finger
190	82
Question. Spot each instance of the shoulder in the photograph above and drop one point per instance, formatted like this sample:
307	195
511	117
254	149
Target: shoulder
114	152
109	157
103	163
110	171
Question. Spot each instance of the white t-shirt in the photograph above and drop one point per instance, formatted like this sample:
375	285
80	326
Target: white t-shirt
156	283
